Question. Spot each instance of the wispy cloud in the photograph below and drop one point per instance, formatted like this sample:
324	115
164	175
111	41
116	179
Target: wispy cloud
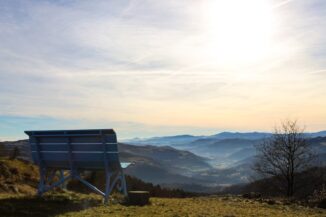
282	3
154	65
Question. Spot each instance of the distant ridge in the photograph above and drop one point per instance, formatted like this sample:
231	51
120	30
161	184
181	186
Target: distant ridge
177	139
238	135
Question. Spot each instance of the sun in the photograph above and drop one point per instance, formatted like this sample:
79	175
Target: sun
238	31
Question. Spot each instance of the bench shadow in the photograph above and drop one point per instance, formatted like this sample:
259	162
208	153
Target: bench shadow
46	206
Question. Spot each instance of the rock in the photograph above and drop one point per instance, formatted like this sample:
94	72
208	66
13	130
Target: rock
271	202
251	195
139	198
13	188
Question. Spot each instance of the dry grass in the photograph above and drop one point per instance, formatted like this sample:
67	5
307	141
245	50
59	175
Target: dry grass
78	205
22	178
200	207
18	176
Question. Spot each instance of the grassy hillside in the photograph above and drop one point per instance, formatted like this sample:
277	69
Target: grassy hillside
80	205
18	176
18	180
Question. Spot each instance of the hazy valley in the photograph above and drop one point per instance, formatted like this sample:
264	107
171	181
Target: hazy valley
194	163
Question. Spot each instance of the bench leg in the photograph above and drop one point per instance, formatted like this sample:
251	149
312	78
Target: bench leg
124	184
42	181
107	187
62	176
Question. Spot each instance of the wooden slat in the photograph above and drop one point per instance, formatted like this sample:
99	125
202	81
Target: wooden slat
80	149
76	156
64	147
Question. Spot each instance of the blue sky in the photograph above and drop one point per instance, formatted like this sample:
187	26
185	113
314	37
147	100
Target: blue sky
149	68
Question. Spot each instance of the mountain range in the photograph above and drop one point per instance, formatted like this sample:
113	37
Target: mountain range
195	163
216	148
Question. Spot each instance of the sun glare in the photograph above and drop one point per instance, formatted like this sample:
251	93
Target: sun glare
238	32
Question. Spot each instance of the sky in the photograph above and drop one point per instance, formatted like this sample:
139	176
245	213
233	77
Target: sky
153	68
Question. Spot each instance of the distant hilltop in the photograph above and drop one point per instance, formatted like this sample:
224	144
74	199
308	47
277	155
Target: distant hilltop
178	139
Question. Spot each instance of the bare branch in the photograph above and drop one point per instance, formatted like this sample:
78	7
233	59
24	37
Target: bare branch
284	154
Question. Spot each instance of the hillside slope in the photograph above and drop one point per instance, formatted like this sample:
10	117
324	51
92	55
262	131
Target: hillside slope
80	205
158	165
19	174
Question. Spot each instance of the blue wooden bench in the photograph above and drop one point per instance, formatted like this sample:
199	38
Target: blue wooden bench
75	151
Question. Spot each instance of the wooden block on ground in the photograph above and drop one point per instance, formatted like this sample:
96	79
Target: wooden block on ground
139	198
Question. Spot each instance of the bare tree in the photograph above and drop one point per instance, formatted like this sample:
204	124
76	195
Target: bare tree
284	155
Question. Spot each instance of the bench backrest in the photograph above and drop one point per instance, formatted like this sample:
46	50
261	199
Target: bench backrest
80	149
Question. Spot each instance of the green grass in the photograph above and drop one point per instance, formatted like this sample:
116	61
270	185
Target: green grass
78	205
